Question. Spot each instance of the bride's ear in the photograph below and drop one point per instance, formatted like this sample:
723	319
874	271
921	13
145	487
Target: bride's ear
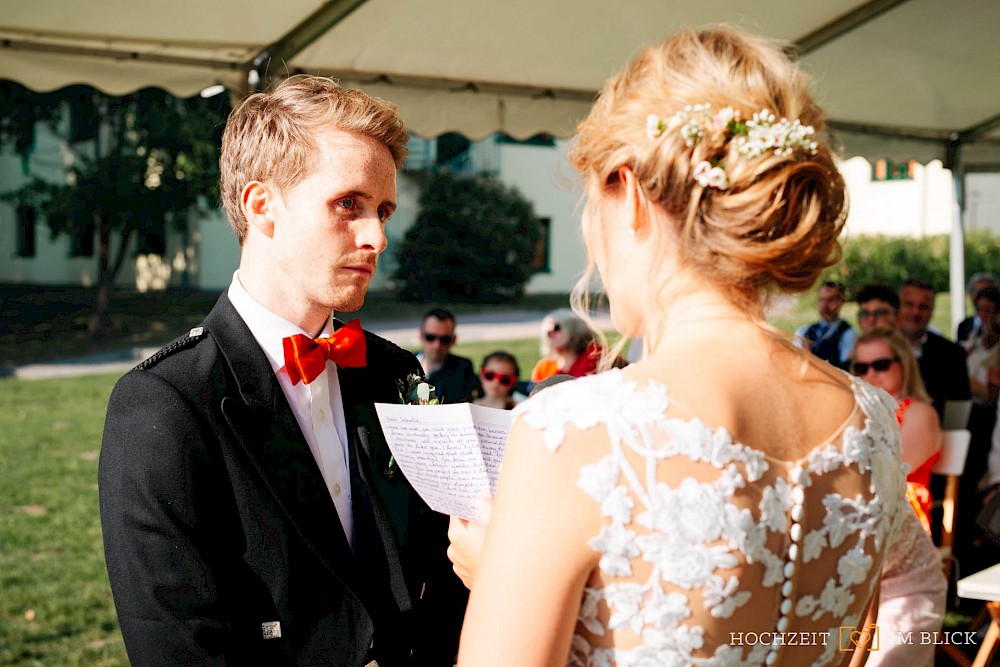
634	200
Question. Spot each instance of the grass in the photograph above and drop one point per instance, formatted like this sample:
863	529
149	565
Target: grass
56	607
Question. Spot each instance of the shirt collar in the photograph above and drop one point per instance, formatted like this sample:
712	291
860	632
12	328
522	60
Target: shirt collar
268	329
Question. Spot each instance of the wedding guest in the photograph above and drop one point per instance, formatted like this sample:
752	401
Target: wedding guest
878	306
983	363
831	338
884	358
453	377
973	325
568	346
942	362
913	589
663	513
245	513
498	376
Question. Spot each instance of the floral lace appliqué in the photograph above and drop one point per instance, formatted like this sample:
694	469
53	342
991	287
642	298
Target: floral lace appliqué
691	535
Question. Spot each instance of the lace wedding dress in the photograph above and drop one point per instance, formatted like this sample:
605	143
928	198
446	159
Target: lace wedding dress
712	552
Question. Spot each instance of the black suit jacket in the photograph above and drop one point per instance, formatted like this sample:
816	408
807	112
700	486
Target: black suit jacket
943	369
217	522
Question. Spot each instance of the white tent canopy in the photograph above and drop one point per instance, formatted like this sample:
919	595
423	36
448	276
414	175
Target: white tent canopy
899	77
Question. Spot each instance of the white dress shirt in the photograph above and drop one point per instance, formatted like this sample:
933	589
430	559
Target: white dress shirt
318	406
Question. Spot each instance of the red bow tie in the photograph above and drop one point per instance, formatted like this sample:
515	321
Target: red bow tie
305	358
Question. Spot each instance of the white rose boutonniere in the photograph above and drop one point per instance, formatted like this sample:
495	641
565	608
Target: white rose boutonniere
414	391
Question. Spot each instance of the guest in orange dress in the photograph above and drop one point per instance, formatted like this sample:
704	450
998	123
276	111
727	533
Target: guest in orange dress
568	346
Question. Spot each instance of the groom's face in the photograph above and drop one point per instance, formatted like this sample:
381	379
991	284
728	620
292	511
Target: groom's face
329	228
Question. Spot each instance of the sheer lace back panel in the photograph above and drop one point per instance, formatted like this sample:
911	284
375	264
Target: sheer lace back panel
712	553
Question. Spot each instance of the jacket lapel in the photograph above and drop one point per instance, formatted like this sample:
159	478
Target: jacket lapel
265	426
374	492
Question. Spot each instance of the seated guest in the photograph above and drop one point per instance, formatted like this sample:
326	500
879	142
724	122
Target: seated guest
942	362
568	346
973	326
878	306
453	378
882	357
831	339
498	376
913	590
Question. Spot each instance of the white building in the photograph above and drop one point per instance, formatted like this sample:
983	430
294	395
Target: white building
208	255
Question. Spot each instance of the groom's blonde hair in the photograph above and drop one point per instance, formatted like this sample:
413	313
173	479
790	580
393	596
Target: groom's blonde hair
271	136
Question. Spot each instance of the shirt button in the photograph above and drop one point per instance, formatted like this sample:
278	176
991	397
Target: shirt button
336	489
322	415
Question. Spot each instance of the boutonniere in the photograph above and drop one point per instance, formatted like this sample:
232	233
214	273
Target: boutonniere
414	391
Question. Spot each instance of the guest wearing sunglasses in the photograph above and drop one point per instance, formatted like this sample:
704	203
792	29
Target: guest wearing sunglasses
882	357
498	376
453	377
878	306
568	346
912	592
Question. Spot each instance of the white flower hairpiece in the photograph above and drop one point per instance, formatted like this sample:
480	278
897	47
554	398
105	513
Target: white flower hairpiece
751	138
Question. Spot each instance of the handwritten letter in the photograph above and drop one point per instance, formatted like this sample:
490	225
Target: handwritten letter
451	454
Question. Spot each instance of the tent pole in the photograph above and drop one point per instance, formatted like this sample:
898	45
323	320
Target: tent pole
956	247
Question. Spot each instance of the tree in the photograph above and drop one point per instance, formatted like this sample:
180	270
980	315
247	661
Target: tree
474	240
138	162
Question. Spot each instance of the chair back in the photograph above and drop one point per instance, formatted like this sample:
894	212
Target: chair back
954	449
956	414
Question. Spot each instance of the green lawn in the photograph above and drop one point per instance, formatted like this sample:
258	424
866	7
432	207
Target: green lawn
55	605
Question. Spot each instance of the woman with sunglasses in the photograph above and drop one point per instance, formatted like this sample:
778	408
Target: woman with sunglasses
498	376
912	591
568	346
730	493
883	358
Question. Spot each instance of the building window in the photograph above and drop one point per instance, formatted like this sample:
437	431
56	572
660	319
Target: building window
887	170
541	263
82	243
25	231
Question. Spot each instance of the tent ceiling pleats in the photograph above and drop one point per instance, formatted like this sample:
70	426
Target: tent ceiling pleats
898	77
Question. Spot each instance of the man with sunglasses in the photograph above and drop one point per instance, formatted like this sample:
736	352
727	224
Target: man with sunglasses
878	306
453	377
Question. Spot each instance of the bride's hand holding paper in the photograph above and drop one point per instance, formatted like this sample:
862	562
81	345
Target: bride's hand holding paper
466	542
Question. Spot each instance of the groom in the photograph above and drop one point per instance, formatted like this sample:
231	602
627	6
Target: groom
250	509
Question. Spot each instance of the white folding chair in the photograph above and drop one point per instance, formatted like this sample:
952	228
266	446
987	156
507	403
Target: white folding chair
954	449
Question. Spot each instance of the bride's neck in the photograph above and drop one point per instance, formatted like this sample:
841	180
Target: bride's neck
702	317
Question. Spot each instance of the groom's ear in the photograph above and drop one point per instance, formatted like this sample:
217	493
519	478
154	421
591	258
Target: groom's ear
258	202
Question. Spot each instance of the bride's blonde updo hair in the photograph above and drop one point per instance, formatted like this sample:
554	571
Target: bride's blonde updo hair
775	226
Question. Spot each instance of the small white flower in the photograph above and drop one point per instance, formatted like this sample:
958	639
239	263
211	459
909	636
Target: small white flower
708	176
654	126
424	392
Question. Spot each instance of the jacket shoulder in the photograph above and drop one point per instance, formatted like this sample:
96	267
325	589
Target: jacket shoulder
384	355
182	355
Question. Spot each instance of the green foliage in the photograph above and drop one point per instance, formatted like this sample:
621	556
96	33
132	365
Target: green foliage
890	260
474	240
138	162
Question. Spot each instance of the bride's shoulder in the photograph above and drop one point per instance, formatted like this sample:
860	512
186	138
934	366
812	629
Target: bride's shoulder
608	398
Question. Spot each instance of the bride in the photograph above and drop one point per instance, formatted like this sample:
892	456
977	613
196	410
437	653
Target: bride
729	499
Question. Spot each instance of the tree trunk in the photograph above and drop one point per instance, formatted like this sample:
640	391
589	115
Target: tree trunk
100	319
